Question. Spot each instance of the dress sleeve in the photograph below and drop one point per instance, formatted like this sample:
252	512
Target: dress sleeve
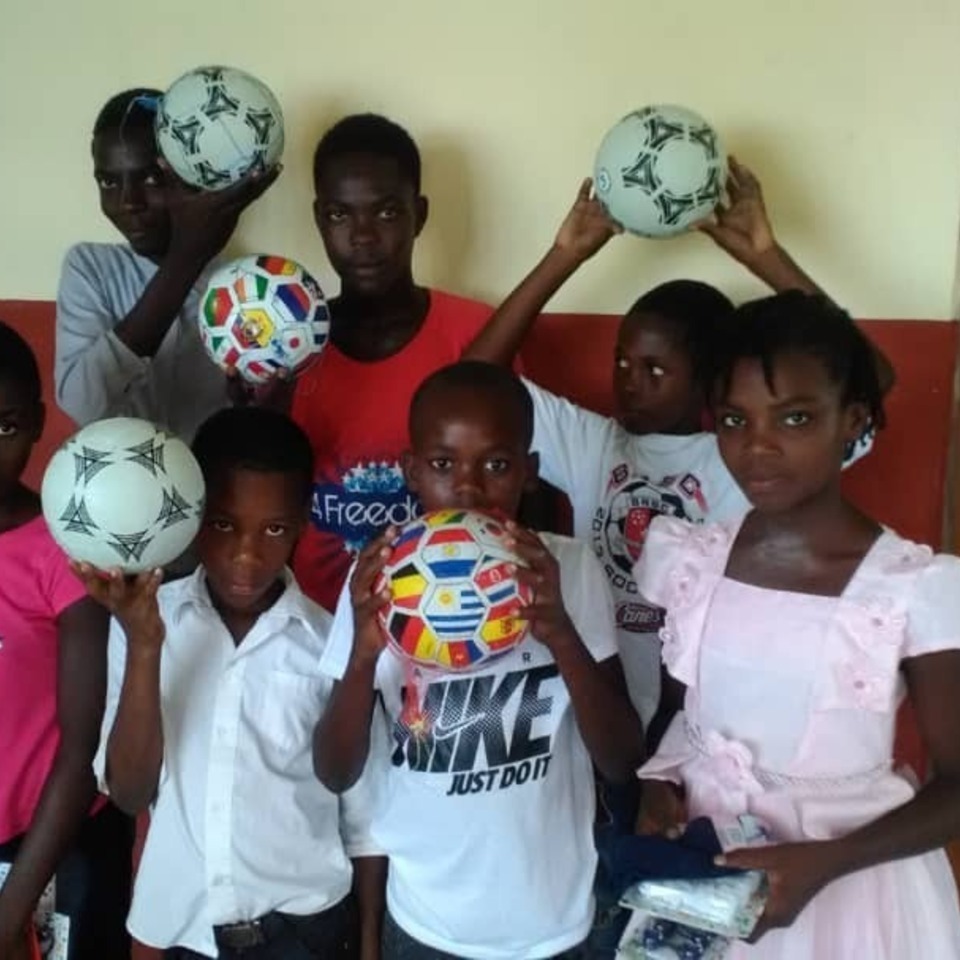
93	369
568	439
933	616
662	550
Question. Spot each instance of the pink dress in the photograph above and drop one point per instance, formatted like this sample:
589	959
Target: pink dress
790	715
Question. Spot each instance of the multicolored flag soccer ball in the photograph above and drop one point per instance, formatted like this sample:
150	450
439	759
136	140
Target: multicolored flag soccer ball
263	314
456	604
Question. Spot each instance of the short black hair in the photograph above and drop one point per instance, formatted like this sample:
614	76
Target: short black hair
698	315
482	378
371	134
810	325
134	109
253	438
18	365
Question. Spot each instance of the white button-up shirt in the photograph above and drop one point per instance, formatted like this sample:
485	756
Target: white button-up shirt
240	825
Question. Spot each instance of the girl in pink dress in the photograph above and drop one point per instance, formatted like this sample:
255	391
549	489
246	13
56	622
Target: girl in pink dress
796	632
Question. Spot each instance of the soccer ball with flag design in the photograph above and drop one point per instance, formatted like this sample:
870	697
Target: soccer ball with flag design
123	493
455	604
214	124
263	314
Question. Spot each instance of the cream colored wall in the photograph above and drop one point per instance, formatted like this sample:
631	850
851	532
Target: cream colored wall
848	109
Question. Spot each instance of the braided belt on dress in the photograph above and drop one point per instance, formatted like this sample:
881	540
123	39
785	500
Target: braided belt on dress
739	759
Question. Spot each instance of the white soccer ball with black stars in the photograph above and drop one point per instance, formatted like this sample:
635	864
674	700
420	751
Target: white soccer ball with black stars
215	124
660	170
123	493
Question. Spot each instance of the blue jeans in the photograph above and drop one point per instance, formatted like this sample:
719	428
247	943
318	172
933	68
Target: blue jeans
616	815
397	944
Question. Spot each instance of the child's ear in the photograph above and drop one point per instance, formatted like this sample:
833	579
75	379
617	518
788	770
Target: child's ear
422	208
531	481
857	421
408	464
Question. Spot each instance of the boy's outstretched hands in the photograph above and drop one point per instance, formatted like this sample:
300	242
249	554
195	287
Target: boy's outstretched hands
202	221
131	599
548	618
587	227
741	226
367	601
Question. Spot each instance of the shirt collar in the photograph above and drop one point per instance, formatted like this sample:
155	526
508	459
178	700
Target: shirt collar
290	605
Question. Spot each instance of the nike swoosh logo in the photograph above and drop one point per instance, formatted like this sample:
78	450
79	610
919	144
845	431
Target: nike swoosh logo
442	733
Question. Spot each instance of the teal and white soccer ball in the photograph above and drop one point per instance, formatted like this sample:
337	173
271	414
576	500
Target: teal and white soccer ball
214	124
660	170
123	493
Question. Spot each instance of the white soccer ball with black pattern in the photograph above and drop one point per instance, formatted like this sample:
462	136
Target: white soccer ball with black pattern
123	493
215	124
660	170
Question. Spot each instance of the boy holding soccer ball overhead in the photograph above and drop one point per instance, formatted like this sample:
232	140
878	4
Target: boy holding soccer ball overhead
126	338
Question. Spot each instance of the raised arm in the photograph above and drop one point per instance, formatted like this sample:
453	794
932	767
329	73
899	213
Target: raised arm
134	749
341	738
70	787
742	228
99	355
584	231
201	223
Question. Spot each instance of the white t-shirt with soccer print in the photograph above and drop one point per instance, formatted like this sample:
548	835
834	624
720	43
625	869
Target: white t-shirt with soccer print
486	808
617	482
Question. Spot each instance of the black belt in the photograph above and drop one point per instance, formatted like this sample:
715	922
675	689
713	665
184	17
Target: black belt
271	926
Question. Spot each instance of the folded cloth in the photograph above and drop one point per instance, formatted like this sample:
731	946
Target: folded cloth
626	859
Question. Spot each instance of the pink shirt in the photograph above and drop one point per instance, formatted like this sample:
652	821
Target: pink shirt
36	585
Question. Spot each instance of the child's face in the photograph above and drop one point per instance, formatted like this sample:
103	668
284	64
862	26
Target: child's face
132	196
250	525
653	379
468	452
369	216
785	447
21	423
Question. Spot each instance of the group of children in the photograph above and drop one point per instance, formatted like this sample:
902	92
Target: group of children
307	798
